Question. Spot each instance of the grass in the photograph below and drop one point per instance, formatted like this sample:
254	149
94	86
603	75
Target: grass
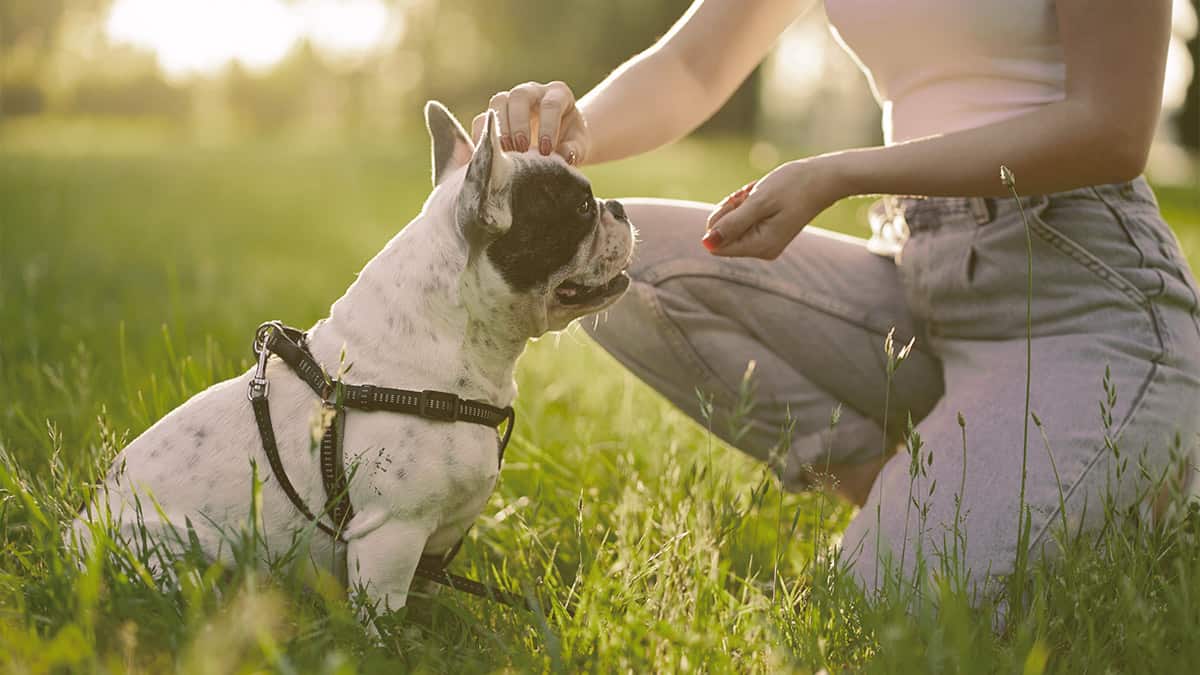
132	273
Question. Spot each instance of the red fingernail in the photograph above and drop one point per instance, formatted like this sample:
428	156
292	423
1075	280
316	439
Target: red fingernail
506	142
521	142
544	146
712	240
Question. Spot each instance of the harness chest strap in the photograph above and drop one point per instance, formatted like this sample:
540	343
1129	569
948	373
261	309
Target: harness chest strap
289	345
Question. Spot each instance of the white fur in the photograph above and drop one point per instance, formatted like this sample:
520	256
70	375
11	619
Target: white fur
420	315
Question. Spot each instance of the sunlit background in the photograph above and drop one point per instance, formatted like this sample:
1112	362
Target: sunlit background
191	38
222	68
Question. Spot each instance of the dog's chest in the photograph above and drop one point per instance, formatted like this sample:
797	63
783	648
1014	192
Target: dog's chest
420	468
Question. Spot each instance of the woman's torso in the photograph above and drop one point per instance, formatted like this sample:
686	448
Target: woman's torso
938	66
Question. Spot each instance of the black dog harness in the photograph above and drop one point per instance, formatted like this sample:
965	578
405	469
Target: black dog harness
291	346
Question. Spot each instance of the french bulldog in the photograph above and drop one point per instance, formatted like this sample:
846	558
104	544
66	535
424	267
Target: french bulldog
507	247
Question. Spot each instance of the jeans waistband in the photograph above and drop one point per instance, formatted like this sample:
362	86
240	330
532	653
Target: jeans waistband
926	213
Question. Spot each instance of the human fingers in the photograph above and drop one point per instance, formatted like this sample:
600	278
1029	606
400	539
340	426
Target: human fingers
477	125
499	103
557	103
574	139
521	101
765	239
728	204
736	223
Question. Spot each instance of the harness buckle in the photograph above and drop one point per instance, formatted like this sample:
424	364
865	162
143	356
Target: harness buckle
438	405
259	385
259	388
263	333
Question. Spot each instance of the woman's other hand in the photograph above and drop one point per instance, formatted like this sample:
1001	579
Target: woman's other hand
545	112
762	218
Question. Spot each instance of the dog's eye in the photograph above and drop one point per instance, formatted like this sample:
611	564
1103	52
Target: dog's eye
586	206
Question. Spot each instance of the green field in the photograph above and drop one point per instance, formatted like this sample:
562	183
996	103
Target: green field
133	270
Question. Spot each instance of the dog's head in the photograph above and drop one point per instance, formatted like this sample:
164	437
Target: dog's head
542	250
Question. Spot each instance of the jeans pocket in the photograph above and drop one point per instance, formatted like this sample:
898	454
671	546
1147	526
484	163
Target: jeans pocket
1083	256
1104	245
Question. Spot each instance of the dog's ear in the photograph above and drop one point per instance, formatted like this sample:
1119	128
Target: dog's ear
483	204
451	144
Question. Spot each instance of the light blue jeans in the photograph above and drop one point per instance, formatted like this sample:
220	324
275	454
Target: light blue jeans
1114	301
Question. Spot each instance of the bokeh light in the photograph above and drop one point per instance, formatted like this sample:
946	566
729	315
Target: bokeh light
190	37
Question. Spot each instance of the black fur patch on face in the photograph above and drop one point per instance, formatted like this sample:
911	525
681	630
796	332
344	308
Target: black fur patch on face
552	211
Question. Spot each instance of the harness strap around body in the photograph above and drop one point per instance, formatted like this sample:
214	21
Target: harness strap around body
262	415
439	406
333	473
289	345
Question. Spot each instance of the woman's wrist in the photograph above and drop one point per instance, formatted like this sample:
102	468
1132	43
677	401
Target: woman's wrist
840	175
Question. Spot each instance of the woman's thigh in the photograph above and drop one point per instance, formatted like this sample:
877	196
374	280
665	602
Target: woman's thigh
1107	427
812	322
1114	386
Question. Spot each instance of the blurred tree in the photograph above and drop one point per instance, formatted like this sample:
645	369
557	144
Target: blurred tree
302	91
28	24
145	94
28	33
470	50
1189	117
26	28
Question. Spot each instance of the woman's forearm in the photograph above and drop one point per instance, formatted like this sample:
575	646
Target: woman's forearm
620	122
1099	133
1058	147
1054	148
670	89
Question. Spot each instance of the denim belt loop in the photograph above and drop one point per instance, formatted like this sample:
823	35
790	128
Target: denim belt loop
980	210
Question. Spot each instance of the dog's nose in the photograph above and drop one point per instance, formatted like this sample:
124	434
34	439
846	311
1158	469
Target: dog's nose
615	208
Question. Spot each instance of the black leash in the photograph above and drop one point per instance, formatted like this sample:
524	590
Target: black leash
290	345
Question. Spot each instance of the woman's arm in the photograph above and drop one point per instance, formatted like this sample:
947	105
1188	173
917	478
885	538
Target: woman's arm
1115	52
668	90
656	97
1115	55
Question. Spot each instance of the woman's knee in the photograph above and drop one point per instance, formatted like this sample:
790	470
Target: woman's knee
667	229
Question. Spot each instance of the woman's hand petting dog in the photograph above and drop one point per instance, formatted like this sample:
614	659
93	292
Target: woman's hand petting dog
545	111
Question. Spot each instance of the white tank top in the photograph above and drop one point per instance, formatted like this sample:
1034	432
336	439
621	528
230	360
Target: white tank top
938	66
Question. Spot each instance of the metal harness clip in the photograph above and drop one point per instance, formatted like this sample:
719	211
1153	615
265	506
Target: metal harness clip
259	385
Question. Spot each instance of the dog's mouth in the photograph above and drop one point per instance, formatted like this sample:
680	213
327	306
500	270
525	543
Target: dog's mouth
575	294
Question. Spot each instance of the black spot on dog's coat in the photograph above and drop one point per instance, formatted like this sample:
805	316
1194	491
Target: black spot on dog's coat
552	211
